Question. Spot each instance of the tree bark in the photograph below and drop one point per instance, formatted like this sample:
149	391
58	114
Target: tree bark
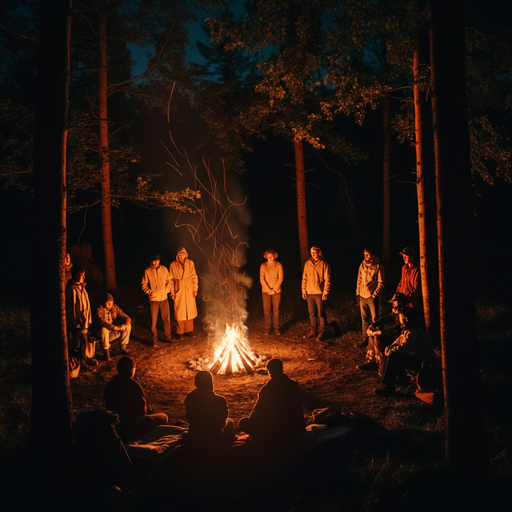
51	410
106	207
300	173
466	445
421	188
386	188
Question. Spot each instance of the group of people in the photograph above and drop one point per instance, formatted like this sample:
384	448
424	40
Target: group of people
180	282
316	284
111	321
395	342
277	415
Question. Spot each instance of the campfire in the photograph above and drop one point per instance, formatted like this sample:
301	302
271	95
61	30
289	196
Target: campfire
233	354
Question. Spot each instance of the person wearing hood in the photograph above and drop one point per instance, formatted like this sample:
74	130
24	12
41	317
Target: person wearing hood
370	284
184	292
316	284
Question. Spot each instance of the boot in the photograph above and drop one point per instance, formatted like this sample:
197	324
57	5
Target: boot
107	355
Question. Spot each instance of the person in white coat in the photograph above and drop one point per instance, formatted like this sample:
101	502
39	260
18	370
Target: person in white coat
184	286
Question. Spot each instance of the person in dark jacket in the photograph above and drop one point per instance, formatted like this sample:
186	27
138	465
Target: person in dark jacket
382	333
209	427
408	351
277	415
125	397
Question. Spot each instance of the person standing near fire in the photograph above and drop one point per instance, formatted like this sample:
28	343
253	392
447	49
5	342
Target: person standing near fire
79	318
184	286
410	282
370	284
271	279
316	284
156	284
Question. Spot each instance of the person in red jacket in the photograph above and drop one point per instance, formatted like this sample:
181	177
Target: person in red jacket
410	282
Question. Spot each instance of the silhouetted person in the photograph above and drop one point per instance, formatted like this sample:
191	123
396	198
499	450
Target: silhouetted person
125	397
408	351
277	415
207	414
98	450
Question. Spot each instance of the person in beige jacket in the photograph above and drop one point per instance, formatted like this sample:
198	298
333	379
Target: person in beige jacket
271	279
316	285
156	284
184	286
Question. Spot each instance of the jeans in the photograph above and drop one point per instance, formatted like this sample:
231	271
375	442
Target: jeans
369	311
163	306
107	336
271	310
316	310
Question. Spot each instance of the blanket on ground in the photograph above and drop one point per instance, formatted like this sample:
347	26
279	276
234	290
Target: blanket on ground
158	444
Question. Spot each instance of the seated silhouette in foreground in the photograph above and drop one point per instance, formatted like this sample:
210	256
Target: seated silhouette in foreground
124	396
207	414
277	415
407	352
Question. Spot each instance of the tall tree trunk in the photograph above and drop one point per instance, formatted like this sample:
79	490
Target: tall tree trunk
302	217
51	410
386	188
466	445
106	208
420	187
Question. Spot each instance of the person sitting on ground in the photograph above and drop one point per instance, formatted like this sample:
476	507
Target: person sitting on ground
125	397
407	352
79	319
277	415
114	323
382	333
207	414
271	279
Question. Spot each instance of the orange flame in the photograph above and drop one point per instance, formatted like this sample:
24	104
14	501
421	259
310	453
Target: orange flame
233	353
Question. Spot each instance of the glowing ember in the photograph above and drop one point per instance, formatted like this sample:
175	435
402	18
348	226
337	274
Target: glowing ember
233	354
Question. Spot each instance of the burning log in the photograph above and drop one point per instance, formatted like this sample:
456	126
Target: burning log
233	354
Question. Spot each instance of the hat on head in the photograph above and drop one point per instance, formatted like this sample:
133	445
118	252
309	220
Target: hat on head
400	297
408	251
108	297
155	256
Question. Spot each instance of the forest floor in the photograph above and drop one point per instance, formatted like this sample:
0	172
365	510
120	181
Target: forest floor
393	461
